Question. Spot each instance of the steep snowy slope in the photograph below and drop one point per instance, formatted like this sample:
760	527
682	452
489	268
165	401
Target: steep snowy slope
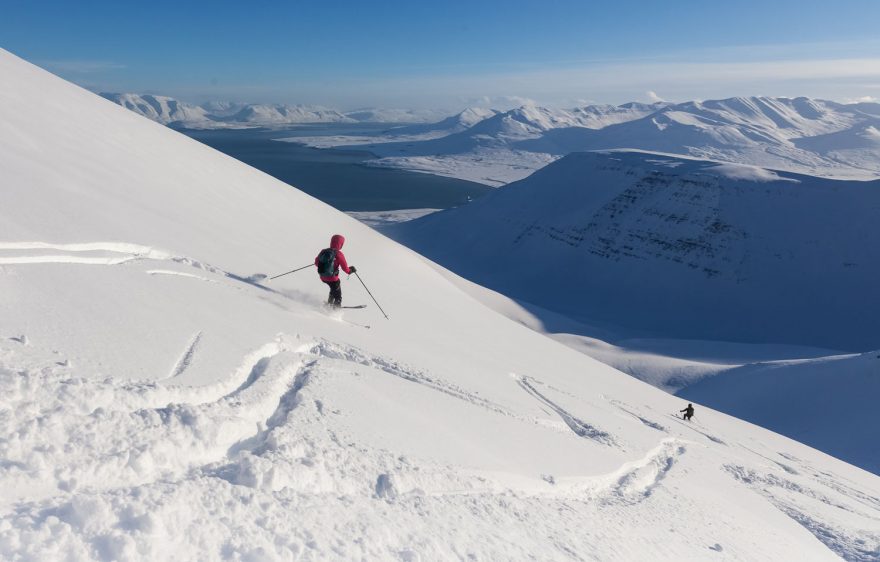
684	248
833	399
157	406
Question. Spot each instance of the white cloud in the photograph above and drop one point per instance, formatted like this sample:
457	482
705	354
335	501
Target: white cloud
863	99
501	102
652	95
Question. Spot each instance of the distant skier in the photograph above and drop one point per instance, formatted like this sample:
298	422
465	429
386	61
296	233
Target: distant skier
688	412
329	262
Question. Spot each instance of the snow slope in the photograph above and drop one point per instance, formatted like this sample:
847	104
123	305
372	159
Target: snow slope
834	398
157	405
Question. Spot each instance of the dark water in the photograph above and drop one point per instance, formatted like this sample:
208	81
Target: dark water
337	176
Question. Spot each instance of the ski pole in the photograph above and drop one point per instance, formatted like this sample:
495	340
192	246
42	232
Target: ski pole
371	294
292	271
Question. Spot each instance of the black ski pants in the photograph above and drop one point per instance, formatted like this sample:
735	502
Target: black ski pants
335	297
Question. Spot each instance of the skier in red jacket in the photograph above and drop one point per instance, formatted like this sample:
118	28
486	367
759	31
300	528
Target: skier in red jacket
329	262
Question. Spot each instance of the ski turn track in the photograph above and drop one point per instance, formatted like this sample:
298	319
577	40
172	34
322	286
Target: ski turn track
579	427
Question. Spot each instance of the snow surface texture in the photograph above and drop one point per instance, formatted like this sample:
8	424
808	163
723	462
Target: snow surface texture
156	405
656	247
801	135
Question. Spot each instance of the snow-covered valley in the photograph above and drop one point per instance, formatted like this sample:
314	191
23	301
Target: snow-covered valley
157	403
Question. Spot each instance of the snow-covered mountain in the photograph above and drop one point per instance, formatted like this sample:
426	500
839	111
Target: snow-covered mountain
222	108
282	114
169	111
797	134
505	129
452	124
668	248
637	238
802	135
481	150
157	404
161	109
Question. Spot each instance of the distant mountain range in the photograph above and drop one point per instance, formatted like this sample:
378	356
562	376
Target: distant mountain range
798	134
170	111
175	113
802	135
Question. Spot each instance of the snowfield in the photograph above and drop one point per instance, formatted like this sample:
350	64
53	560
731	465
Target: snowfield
156	403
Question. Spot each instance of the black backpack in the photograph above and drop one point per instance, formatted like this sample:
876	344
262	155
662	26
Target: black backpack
327	263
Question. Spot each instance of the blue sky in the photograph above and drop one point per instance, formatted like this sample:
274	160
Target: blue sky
450	54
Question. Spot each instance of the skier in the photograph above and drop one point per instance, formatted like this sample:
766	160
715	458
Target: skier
329	261
688	412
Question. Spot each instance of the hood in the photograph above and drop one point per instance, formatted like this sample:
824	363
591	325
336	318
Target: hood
337	241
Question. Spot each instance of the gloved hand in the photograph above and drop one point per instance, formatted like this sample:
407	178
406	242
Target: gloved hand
352	269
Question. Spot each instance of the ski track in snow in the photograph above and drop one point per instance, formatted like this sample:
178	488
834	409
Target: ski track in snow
392	367
789	497
184	362
579	427
266	428
635	481
646	422
108	253
690	425
178	274
113	253
121	431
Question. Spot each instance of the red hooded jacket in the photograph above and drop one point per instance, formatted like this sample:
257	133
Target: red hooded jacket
336	243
